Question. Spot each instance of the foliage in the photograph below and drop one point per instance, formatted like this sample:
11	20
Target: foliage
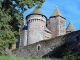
63	50
68	48
71	57
11	18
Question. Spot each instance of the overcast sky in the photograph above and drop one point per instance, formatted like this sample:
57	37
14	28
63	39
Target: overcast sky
70	9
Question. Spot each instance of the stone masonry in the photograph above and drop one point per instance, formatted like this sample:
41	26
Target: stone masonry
40	28
42	35
44	47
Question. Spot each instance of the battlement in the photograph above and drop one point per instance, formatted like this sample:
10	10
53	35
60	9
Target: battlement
33	18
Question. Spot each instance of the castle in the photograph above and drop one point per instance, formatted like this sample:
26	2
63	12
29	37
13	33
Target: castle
40	28
41	35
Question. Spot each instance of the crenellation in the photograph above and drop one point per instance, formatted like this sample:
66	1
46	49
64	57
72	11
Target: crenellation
37	17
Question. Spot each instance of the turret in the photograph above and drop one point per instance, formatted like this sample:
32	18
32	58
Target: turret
36	24
57	23
23	37
70	28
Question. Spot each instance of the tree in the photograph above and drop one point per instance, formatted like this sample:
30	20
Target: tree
11	18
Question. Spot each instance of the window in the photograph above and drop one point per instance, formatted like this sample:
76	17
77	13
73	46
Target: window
38	47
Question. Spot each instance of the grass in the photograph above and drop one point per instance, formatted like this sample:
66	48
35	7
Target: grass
18	58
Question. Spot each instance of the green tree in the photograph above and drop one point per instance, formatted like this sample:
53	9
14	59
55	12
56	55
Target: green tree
11	18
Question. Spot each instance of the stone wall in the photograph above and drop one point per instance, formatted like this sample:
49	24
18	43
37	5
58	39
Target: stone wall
36	25
62	25
54	26
44	47
23	38
38	49
57	26
47	34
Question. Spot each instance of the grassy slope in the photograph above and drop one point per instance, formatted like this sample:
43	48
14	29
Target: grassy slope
18	58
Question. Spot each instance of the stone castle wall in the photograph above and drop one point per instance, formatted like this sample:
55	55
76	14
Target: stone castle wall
57	26
54	26
36	25
38	49
38	31
38	28
62	26
42	48
47	34
23	38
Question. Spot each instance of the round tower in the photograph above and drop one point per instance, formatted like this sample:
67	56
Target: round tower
36	25
57	23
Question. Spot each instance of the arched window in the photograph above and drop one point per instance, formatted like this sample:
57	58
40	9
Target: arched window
38	47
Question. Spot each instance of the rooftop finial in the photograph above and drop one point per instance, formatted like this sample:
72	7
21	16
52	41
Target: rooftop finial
56	6
56	12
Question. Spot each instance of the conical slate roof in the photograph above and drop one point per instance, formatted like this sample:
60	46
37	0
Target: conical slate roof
56	12
36	11
70	27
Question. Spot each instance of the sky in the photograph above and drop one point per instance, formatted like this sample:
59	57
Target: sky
70	9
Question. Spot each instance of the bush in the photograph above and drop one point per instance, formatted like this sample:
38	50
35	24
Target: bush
71	57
